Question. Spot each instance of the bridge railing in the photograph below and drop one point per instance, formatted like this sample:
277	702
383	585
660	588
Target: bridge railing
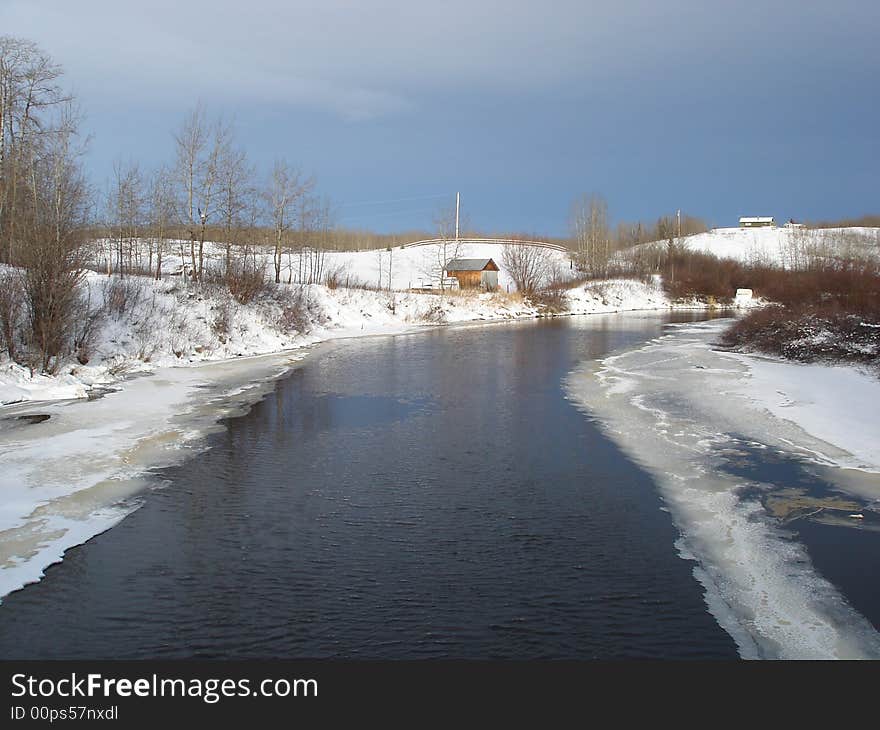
502	241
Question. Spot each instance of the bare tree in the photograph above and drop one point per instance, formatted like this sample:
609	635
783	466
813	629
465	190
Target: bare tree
666	230
202	150
237	189
53	257
29	99
317	225
44	202
283	193
162	205
126	211
11	298
530	267
592	238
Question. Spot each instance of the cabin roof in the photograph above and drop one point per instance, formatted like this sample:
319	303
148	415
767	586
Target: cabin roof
468	264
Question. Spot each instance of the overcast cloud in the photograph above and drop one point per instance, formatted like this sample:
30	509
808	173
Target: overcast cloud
536	102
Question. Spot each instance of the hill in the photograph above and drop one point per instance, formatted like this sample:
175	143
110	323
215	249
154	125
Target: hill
790	248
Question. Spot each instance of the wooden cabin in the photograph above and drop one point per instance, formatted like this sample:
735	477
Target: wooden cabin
474	273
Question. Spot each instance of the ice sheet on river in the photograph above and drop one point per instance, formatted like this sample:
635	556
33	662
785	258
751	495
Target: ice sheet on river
678	406
69	477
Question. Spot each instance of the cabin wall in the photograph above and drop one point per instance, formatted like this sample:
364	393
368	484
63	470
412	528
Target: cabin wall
467	279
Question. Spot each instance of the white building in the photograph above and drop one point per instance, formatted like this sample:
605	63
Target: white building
757	222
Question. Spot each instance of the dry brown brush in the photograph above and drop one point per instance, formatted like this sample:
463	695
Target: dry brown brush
830	312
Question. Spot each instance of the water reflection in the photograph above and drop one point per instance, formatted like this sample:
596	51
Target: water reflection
429	495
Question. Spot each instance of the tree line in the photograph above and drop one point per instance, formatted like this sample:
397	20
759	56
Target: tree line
54	225
595	242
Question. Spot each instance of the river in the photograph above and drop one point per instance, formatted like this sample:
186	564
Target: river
420	496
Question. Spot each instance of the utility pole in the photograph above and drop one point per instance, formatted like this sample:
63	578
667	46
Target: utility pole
457	202
678	214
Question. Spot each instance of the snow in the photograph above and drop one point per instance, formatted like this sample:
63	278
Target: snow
679	407
415	266
17	384
784	247
836	404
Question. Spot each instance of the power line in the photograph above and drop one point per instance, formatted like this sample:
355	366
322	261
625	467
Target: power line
394	200
385	214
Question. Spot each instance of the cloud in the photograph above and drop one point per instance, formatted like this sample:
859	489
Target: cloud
363	60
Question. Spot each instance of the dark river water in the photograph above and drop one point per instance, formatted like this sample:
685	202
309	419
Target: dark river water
420	496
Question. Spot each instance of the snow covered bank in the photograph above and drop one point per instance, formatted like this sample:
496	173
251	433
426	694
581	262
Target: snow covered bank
681	409
17	384
156	324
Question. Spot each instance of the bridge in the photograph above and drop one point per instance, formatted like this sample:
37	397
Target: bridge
501	241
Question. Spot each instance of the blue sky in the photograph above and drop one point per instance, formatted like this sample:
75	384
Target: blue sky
718	108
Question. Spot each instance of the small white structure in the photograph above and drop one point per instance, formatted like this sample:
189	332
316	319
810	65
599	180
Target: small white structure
793	224
757	222
743	298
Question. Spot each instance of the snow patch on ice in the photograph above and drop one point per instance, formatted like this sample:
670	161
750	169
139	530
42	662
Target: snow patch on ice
671	406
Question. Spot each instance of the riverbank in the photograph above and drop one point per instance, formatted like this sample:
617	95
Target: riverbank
141	325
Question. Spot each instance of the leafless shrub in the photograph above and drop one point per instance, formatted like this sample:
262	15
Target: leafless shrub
828	312
551	300
221	324
145	338
293	315
50	295
435	314
598	289
552	297
341	278
246	281
528	266
179	331
337	277
11	309
808	333
122	295
119	365
86	326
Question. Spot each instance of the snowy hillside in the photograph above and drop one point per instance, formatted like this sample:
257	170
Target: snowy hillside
782	246
418	265
409	267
